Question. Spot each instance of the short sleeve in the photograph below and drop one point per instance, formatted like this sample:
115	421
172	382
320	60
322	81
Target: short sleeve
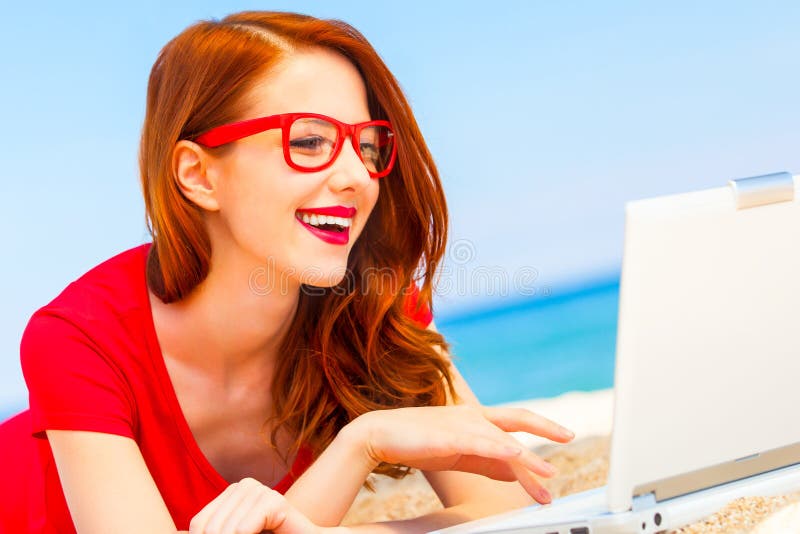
72	384
416	309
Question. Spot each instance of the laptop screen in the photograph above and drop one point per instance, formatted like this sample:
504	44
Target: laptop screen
708	354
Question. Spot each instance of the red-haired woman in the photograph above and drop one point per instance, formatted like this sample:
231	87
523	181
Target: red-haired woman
272	338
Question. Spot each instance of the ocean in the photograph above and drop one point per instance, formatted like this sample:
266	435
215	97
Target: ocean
539	347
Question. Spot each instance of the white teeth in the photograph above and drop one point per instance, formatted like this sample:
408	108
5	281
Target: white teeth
317	220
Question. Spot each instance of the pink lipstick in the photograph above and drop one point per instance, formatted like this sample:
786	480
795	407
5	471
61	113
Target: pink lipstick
330	223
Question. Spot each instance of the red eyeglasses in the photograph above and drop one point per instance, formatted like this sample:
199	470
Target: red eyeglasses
312	142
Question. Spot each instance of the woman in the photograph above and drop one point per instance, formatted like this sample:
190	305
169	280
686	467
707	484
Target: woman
271	339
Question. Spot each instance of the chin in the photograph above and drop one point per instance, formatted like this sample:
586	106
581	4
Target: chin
324	278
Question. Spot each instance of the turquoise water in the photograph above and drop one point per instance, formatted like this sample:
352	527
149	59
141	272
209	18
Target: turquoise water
539	347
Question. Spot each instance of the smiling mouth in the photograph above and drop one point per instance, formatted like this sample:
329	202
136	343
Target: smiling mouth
328	223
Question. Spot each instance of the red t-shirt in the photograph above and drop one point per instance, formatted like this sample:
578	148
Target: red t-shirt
92	362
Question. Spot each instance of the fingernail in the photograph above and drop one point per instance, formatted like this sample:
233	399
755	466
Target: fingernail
544	495
567	433
549	468
513	451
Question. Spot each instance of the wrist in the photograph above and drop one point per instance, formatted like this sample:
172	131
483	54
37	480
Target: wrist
343	465
356	435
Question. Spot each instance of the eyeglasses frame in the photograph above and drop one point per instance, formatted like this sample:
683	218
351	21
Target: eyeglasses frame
228	133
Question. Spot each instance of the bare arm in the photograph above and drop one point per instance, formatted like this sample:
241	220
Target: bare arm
334	479
467	496
107	484
474	448
109	489
477	496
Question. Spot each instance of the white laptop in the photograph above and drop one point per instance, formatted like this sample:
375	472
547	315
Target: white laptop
707	380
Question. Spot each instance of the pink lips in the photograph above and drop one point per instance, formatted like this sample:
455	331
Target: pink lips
334	238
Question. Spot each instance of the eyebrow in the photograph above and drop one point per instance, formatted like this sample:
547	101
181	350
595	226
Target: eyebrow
315	120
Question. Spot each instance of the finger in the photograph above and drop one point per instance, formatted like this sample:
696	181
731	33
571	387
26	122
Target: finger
246	511
198	523
280	517
500	446
524	464
293	522
488	467
267	512
453	445
537	464
474	447
526	457
531	485
228	506
522	420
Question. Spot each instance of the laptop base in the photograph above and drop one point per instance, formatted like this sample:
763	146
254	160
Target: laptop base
587	513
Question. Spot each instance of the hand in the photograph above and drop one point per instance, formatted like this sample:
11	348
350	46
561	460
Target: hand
467	438
247	507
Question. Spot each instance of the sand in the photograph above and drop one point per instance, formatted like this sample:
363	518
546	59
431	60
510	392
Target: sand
582	465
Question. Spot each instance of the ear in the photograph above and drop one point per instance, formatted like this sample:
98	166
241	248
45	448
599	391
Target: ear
195	177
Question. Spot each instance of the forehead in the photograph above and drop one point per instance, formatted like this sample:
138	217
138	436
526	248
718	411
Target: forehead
315	81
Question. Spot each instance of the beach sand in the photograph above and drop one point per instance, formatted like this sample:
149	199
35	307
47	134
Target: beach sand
582	465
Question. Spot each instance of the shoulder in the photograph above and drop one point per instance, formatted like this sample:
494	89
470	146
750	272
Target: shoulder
99	311
110	289
81	354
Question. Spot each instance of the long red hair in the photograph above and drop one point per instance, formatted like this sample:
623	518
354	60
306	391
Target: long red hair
351	348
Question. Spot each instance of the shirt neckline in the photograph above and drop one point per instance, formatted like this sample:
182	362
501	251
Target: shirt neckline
167	387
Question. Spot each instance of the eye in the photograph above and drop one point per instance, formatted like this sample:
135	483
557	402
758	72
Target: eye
312	144
369	151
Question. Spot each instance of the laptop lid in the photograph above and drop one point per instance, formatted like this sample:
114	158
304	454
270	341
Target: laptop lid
708	351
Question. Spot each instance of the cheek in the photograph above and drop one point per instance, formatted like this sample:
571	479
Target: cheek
366	205
372	193
256	183
257	207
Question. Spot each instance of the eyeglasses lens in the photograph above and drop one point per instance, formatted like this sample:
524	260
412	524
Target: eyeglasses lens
376	143
312	141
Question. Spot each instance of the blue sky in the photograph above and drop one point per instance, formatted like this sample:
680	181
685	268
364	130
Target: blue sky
544	118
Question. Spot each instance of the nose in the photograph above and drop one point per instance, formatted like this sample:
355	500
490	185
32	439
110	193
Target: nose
348	172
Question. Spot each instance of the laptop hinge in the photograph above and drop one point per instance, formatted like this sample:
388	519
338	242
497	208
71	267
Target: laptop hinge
641	502
760	190
722	473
